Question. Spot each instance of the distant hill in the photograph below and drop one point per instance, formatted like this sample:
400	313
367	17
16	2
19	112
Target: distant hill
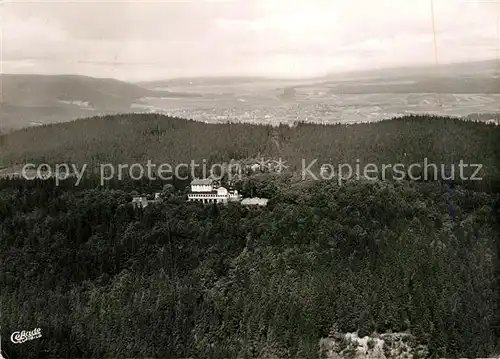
44	90
217	81
457	78
479	69
31	100
441	85
486	68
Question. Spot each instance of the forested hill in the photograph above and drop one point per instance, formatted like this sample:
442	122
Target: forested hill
131	138
177	279
183	280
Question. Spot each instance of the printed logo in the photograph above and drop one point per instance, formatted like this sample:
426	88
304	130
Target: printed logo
24	336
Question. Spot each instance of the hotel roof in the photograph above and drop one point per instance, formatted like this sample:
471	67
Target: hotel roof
206	181
202	193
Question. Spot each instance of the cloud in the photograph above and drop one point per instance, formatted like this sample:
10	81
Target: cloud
294	37
30	36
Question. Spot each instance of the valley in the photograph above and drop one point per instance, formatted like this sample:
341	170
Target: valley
456	90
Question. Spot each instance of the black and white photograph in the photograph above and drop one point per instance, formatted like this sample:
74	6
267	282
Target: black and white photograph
250	179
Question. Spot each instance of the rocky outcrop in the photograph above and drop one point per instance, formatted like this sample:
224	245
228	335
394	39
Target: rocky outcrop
376	346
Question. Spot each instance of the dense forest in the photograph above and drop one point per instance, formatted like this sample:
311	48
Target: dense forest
177	279
136	138
182	280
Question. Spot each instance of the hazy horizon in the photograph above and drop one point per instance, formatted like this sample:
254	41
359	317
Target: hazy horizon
151	40
256	76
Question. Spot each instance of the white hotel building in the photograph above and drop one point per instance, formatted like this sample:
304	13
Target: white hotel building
207	191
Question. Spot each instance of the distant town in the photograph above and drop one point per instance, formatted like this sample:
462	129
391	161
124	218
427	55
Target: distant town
323	107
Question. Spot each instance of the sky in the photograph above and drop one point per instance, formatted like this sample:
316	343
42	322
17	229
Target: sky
149	40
